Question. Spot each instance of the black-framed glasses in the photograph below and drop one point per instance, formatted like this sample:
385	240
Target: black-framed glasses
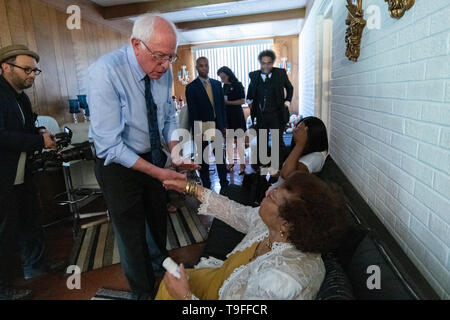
27	70
161	57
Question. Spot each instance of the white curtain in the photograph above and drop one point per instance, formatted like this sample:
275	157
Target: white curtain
241	58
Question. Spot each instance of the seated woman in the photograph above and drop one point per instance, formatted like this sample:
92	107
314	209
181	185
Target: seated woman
280	256
309	143
308	151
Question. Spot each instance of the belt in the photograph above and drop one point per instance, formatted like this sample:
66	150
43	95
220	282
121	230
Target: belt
146	156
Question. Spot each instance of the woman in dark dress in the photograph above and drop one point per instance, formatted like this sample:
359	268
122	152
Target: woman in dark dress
234	99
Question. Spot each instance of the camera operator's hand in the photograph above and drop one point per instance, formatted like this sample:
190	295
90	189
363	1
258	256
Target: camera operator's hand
49	141
43	130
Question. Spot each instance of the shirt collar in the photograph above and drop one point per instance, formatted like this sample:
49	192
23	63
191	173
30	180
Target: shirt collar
263	75
135	67
203	79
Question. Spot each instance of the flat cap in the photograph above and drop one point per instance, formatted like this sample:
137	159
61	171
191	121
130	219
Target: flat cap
16	50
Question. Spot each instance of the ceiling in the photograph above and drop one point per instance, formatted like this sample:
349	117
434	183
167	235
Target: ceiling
223	11
242	31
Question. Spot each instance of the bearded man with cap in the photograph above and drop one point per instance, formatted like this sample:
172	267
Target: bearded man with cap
19	207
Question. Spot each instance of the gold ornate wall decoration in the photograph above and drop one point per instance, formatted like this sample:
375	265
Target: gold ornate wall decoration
397	8
356	24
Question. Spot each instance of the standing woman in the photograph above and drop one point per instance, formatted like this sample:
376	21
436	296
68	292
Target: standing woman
234	99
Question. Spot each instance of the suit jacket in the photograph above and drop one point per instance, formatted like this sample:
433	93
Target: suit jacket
15	136
280	81
199	106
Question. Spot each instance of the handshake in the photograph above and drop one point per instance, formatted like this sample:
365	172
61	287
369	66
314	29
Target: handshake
177	176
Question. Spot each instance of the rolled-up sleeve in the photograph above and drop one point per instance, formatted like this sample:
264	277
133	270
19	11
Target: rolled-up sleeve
107	123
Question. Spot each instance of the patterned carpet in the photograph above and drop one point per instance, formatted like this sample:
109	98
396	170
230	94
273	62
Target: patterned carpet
96	247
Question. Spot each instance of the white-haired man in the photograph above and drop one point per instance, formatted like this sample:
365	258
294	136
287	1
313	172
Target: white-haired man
129	95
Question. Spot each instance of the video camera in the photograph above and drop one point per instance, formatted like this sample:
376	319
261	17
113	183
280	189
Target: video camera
65	152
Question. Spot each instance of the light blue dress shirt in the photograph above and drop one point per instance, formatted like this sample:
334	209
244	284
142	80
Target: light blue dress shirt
116	98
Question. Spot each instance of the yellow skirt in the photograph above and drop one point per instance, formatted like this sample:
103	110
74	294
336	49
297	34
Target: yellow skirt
205	283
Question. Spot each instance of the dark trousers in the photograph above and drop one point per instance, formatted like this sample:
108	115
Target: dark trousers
221	170
270	121
20	229
135	201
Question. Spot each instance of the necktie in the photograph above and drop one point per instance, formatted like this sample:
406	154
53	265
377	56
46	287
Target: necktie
209	92
158	156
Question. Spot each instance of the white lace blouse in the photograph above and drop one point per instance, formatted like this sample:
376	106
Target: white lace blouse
284	273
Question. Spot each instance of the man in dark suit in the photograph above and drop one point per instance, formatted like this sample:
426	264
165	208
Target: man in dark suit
270	94
206	102
19	206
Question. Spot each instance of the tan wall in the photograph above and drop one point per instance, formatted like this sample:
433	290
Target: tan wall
65	54
283	46
288	47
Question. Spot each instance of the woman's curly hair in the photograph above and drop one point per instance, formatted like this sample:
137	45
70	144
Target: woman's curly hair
315	212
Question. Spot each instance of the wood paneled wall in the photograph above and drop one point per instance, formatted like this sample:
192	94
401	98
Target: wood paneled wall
283	46
65	54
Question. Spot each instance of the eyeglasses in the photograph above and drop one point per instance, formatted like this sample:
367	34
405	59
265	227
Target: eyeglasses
27	70
161	57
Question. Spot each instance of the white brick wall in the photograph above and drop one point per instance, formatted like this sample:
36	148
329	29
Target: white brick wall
306	60
390	124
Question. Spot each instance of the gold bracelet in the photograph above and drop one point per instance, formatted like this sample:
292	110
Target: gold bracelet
194	189
191	188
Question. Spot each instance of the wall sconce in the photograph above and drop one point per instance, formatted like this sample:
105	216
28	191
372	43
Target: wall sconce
397	8
356	24
285	65
183	75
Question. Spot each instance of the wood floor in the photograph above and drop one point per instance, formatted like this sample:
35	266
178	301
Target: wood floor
59	244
